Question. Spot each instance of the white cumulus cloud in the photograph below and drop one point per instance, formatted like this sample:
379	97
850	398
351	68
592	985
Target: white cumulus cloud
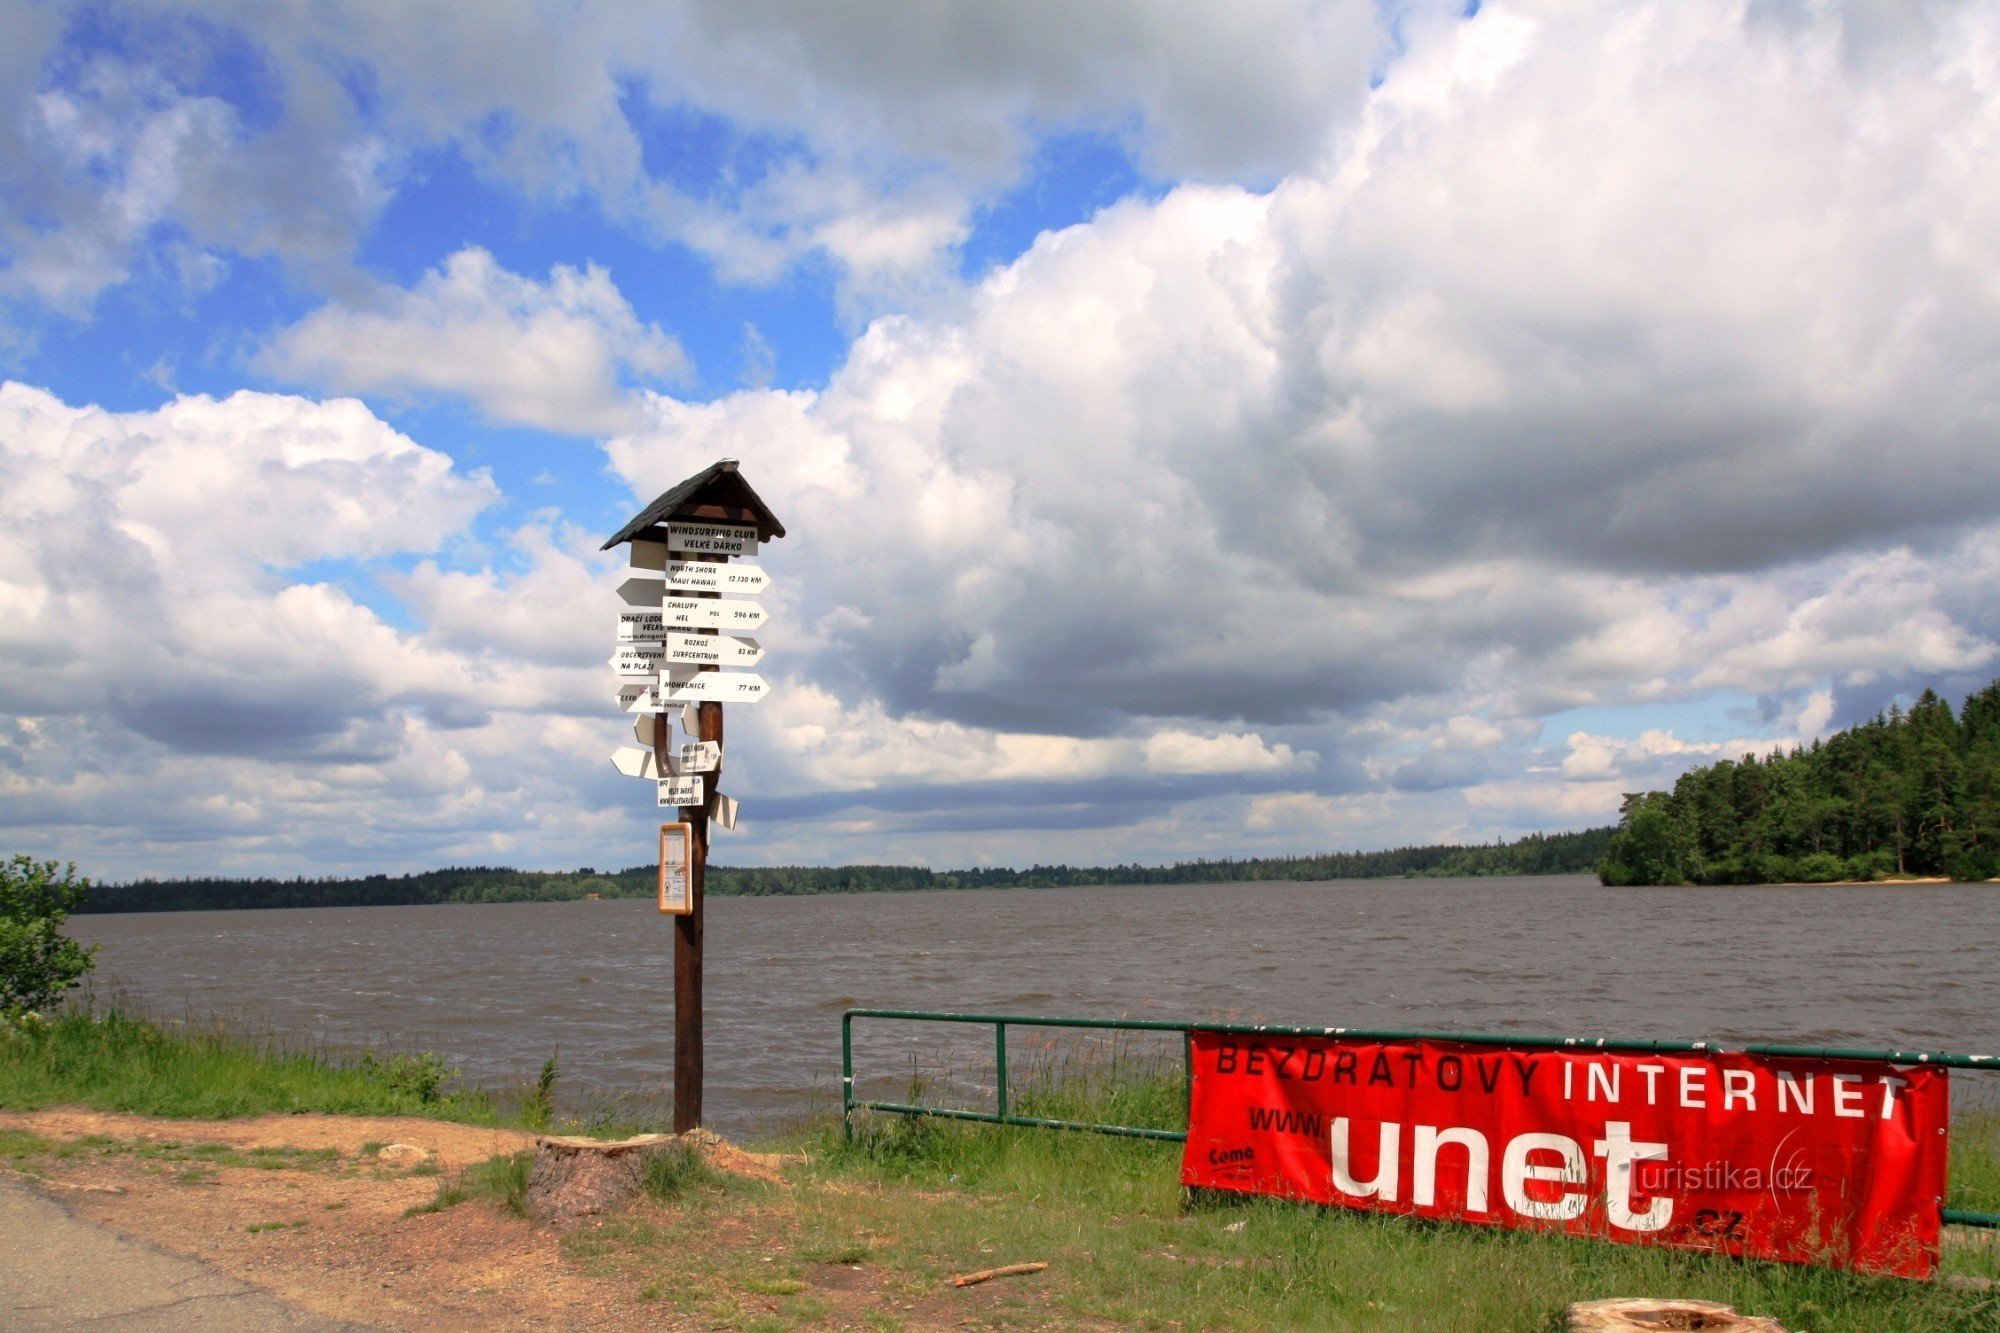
561	354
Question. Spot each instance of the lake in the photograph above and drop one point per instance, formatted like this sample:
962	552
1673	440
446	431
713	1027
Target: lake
498	988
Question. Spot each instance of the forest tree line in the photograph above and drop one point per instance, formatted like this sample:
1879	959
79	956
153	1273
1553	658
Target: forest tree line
1912	792
1538	854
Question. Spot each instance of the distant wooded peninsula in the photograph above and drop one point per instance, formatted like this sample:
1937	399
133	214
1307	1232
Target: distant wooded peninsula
1913	793
1538	854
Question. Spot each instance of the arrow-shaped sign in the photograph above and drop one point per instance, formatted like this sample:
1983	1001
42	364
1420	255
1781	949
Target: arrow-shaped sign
637	697
711	613
644	658
641	627
638	659
641	592
644	728
699	756
680	685
728	650
724	810
681	791
635	763
643	631
713	576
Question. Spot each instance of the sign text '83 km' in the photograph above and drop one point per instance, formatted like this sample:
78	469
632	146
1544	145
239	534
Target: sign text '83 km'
680	633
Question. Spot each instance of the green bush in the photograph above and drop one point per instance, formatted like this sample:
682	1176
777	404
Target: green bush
425	1075
37	961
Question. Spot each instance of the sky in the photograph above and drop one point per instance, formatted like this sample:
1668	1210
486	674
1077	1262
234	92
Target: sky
1202	430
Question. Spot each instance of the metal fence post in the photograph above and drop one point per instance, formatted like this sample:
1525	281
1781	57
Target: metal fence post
1187	1075
1000	1064
847	1077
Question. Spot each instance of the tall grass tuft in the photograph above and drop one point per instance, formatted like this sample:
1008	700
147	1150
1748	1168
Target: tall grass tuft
503	1179
674	1172
538	1109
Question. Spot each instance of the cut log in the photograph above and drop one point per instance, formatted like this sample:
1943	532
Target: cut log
1654	1315
576	1177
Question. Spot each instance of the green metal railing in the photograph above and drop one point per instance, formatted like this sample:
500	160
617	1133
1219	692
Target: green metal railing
1003	1115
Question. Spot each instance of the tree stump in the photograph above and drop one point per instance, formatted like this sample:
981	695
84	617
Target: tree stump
1621	1314
575	1177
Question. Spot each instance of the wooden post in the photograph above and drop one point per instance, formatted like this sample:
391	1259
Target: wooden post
687	947
717	512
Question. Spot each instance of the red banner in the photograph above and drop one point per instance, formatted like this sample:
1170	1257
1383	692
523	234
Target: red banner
1809	1161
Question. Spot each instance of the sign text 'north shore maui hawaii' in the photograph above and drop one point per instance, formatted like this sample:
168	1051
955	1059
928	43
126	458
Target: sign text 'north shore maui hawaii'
1777	1157
681	639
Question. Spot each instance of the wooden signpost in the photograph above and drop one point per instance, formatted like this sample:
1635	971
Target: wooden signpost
677	636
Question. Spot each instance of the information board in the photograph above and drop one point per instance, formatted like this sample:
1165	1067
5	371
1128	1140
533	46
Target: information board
676	854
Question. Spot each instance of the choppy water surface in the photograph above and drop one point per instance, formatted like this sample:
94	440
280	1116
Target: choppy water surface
497	988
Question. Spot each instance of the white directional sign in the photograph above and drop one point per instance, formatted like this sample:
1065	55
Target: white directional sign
713	650
641	592
682	791
714	576
641	627
699	756
638	659
711	613
684	644
694	539
679	685
635	763
654	651
637	697
711	539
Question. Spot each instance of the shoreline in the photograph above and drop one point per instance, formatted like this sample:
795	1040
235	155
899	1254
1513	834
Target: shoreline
1221	884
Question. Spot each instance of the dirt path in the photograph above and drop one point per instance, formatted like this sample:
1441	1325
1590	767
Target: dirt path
316	1210
453	1145
323	1226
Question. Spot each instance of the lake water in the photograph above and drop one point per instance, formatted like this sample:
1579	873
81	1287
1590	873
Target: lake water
498	988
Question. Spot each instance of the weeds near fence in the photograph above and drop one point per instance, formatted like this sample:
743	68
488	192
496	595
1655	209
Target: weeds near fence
1975	1166
1122	1080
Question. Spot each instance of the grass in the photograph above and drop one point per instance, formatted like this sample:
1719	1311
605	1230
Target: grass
18	1146
676	1173
502	1179
1130	1248
1975	1163
882	1223
109	1060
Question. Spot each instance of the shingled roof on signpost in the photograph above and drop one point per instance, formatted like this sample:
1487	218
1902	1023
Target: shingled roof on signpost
717	494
